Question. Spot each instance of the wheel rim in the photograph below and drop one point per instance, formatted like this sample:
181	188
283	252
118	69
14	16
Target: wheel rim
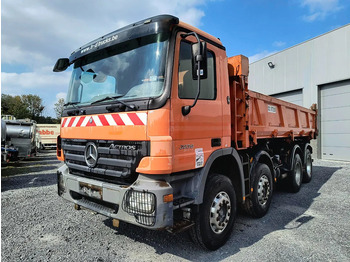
263	190
220	212
308	166
298	173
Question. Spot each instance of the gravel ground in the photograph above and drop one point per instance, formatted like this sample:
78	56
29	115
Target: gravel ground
37	225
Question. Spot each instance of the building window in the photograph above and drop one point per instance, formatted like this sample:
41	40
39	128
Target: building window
187	85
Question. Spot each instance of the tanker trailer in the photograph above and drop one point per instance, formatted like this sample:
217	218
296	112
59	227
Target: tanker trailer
8	152
22	135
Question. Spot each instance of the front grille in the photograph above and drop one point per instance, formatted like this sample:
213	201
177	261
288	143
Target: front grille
116	163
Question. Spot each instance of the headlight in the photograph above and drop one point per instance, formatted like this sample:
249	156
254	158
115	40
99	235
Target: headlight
141	205
139	202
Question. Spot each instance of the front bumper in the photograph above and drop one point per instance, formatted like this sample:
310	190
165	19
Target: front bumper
114	200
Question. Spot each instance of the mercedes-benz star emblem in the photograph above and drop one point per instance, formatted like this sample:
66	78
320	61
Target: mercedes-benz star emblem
91	154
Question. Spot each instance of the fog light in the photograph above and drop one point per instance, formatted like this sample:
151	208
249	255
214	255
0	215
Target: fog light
139	202
141	205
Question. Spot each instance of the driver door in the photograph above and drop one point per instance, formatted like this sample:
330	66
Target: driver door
196	135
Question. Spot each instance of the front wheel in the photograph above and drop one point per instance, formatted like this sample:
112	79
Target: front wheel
215	219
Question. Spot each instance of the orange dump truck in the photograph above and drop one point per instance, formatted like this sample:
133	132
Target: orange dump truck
160	130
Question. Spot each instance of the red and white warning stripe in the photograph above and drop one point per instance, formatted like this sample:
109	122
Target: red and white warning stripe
124	119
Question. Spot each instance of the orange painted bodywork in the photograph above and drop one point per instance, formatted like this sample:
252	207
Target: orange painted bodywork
207	120
283	119
257	116
120	132
156	131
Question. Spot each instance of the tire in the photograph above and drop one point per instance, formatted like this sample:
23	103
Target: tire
296	175
257	205
216	216
307	167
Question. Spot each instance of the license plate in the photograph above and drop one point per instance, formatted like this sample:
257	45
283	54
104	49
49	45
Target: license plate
90	190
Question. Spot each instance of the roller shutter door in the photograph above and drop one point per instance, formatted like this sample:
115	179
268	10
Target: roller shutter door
295	97
334	102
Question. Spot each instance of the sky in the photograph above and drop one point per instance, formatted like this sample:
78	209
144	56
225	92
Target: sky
34	34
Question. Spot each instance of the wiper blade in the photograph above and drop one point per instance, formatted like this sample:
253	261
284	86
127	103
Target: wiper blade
107	98
71	104
114	98
76	109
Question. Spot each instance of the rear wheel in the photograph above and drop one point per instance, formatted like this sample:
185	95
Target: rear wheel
259	201
296	175
215	219
307	167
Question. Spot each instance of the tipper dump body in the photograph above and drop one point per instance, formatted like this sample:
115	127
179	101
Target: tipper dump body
256	116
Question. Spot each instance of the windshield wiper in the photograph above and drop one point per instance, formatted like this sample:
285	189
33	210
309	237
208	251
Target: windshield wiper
75	111
115	98
72	104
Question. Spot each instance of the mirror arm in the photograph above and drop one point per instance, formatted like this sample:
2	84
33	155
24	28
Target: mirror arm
187	109
191	33
199	85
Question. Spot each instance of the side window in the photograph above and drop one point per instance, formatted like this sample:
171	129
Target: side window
187	86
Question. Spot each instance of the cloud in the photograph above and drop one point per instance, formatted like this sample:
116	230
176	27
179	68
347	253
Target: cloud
261	55
36	33
320	9
42	82
279	43
61	95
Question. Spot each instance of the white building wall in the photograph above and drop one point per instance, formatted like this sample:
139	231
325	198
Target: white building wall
324	59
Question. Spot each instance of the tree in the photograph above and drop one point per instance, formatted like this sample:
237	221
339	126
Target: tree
6	102
13	105
34	105
24	106
59	108
47	120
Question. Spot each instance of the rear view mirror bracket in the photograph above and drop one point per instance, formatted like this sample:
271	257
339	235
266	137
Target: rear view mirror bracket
199	67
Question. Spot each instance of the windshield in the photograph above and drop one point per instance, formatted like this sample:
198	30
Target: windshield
131	70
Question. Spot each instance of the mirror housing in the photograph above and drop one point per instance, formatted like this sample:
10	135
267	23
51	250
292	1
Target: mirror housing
199	54
61	65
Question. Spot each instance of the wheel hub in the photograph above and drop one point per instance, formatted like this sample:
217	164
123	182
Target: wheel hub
220	212
263	190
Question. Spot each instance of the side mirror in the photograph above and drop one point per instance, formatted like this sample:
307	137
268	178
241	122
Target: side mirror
199	54
61	65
